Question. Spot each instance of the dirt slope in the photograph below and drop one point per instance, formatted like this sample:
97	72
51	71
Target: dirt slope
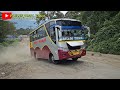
16	63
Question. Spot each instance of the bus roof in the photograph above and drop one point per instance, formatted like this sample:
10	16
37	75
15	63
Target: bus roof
62	19
54	20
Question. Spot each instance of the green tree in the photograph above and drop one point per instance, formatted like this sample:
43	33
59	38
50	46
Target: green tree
105	29
23	31
48	14
6	28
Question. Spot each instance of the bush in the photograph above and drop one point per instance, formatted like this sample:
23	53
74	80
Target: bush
5	44
116	47
1	46
89	48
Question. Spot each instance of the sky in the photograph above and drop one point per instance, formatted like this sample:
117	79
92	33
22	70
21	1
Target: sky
32	12
26	23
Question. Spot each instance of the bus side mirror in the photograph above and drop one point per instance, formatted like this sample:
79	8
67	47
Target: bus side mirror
88	28
57	27
88	34
88	31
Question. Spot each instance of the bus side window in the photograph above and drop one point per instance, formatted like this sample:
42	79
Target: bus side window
52	23
36	37
41	33
33	36
48	27
44	32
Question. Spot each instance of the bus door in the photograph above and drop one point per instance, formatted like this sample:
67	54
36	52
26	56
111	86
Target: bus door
53	34
58	33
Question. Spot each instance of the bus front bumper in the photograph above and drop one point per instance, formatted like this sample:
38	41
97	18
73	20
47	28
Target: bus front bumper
69	54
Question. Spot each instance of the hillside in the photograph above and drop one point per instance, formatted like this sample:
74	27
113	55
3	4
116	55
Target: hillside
105	29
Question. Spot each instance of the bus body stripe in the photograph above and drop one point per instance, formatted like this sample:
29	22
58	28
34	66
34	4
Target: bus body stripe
71	27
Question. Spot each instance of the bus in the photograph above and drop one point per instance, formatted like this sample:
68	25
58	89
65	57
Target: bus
59	39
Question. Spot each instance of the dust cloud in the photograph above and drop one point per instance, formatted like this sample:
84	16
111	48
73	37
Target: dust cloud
17	53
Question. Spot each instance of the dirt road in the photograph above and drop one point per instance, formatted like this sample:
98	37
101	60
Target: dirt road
16	63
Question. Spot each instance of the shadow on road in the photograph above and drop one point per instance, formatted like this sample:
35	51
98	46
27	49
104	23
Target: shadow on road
64	62
70	62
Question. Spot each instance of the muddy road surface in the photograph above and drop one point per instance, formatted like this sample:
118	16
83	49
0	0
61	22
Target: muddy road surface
16	63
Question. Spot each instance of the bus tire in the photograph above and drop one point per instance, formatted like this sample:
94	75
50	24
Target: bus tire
52	60
74	59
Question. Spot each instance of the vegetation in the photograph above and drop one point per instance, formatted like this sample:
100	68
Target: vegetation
6	28
49	14
105	29
23	31
104	25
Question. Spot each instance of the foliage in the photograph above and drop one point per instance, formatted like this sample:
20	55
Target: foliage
41	17
105	29
6	28
8	43
23	31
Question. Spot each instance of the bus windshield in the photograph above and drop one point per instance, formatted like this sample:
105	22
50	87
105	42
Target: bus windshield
73	35
68	23
71	30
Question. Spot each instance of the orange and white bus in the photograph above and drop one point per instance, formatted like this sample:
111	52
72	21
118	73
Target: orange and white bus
59	39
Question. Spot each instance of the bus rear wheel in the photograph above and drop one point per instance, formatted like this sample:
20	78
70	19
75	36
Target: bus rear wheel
35	56
52	59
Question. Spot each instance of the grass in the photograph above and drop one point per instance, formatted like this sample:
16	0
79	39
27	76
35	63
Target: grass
8	43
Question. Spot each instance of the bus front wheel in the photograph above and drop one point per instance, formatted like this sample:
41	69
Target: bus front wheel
74	59
52	59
